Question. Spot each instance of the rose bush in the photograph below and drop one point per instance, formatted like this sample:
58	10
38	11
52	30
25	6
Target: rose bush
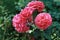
15	26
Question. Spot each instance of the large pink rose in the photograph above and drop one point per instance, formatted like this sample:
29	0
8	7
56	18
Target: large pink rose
43	20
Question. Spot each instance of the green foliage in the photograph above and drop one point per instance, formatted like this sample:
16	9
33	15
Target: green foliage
9	8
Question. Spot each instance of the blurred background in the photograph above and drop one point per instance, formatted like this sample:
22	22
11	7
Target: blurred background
9	8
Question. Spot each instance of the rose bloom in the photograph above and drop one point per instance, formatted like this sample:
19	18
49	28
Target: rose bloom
19	23
43	20
37	5
27	12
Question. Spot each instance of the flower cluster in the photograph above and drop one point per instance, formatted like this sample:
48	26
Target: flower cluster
42	21
20	20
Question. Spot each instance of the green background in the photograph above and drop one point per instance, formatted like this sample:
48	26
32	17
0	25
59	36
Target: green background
9	8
